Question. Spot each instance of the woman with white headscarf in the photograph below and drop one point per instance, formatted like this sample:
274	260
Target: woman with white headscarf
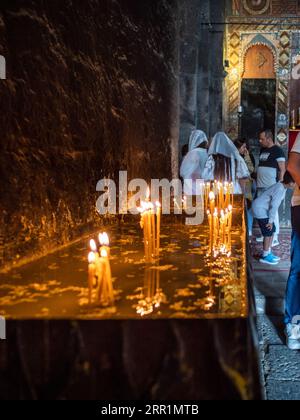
194	162
225	163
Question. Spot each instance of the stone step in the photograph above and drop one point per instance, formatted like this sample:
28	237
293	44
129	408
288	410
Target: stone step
273	306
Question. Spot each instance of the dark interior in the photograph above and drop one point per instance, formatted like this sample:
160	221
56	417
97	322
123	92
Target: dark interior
259	102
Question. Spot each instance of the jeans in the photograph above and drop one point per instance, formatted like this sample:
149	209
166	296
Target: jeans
250	220
292	300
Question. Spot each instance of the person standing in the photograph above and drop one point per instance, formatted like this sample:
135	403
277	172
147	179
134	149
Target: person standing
194	162
250	186
271	169
225	164
292	300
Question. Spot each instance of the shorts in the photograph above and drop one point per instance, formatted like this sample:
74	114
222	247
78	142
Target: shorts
266	233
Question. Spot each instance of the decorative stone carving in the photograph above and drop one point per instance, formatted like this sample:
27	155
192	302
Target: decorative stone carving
256	7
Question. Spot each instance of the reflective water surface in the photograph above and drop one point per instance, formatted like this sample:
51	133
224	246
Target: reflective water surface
187	282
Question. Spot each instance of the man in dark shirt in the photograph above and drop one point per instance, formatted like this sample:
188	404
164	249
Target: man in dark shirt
271	169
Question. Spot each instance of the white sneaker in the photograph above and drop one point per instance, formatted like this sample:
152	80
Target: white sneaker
275	242
261	239
292	333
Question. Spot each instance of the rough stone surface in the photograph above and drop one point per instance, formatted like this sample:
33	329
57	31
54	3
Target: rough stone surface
271	331
201	66
91	89
283	390
283	364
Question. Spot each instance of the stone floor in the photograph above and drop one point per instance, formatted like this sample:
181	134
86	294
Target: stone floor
281	367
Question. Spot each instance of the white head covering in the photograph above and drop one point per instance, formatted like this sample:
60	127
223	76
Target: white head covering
222	145
193	164
197	137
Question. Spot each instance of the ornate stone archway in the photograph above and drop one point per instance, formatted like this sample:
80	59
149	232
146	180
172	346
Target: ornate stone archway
240	39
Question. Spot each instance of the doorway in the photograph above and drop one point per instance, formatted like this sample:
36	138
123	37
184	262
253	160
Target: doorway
259	103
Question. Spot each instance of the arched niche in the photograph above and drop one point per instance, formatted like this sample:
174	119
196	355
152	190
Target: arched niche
259	63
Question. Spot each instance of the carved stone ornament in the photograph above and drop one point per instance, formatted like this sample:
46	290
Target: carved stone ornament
256	7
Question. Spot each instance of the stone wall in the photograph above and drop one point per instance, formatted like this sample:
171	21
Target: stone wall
91	89
201	66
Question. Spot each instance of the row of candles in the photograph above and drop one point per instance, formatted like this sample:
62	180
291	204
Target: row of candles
220	193
151	225
220	224
219	203
100	271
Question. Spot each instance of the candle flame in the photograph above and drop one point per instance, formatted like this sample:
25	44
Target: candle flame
93	245
230	208
91	258
212	196
104	239
104	253
159	205
148	194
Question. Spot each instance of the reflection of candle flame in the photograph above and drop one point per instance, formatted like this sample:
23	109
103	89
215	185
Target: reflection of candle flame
148	194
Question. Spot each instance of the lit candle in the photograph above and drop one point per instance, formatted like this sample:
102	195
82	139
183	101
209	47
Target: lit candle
93	246
144	226
232	194
148	226
92	274
210	222
148	193
226	193
94	249
149	230
207	191
212	198
104	242
230	209
107	278
216	228
158	222
153	229
222	227
221	195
